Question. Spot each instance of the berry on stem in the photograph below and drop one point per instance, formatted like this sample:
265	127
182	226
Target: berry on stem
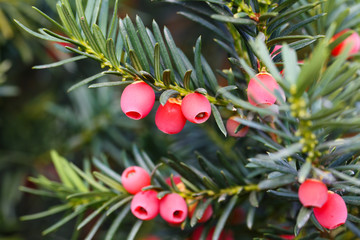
207	213
145	205
261	90
232	125
134	179
313	193
177	180
137	100
196	108
173	208
169	118
353	40
333	213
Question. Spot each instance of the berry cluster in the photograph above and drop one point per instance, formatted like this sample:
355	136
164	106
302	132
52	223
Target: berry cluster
138	99
329	208
146	205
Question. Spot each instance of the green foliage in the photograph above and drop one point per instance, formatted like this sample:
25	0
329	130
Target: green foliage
308	137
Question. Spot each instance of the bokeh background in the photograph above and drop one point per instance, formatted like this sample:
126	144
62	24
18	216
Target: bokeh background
37	114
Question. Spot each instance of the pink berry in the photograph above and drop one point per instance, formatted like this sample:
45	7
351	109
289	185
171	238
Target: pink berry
277	47
313	193
353	40
225	234
179	184
261	90
196	108
287	236
232	125
173	208
145	205
134	179
333	213
169	118
205	217
176	179
137	100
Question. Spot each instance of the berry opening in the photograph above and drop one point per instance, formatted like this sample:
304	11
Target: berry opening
178	214
133	115
201	115
141	211
130	173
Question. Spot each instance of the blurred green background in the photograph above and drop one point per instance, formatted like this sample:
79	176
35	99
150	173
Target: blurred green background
37	114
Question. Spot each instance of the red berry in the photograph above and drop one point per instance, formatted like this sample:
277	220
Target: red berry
287	236
134	179
333	213
313	193
176	179
179	184
206	216
145	205
196	108
232	125
137	100
169	118
225	234
353	40
261	90
277	47
173	208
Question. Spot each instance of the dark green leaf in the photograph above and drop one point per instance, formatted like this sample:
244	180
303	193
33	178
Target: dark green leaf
163	51
41	36
274	183
49	212
212	171
304	171
119	204
135	60
64	220
134	230
69	21
157	66
301	24
116	223
352	200
250	217
230	19
284	194
218	119
272	166
174	52
224	216
186	79
145	40
351	180
302	218
166	77
198	65
205	23
96	227
353	218
50	19
166	95
139	50
113	22
97	212
85	81
104	16
59	63
110	84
